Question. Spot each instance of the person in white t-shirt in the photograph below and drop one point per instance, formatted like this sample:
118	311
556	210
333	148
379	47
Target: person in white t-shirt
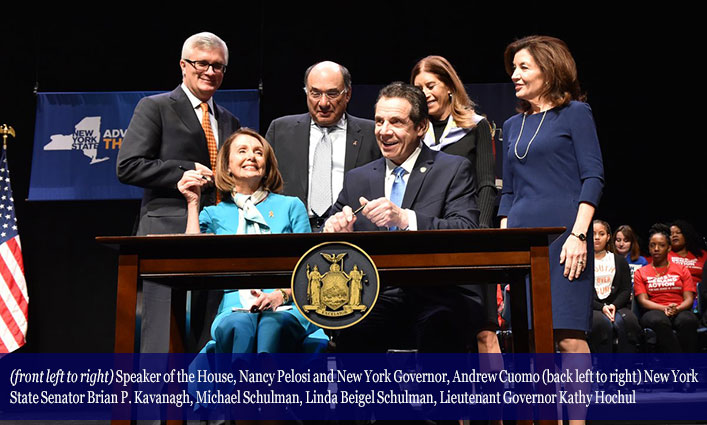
612	315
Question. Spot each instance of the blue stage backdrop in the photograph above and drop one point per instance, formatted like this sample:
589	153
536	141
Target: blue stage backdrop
77	137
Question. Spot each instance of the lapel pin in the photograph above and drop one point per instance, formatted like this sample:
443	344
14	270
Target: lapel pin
423	169
271	214
355	142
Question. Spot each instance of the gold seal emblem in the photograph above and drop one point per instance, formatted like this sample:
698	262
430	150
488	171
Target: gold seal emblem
330	294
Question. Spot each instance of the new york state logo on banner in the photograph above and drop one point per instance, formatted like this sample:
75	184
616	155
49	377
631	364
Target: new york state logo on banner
87	138
78	135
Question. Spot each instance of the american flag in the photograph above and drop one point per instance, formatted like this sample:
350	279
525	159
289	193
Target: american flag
13	288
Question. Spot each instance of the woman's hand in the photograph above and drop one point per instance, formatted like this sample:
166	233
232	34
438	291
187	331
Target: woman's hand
574	251
574	257
190	186
671	310
267	300
609	311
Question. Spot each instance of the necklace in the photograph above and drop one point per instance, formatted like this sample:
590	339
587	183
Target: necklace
522	124
659	274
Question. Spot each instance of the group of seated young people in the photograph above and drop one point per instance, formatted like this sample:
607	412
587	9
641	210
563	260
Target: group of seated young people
657	292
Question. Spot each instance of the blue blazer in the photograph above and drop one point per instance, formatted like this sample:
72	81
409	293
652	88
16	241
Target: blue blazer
283	214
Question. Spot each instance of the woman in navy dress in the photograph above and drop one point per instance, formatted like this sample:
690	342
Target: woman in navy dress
553	175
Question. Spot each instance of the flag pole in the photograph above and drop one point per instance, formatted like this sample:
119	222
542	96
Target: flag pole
6	130
13	310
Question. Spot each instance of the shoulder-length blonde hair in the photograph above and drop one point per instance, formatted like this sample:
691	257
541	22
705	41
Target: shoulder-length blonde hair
555	62
462	106
225	182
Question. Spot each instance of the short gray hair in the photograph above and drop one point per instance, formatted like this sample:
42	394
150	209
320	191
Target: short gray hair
204	41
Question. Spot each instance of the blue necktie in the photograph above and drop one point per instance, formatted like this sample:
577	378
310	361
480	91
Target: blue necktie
398	189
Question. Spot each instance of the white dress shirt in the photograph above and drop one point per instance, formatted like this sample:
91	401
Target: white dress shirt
195	103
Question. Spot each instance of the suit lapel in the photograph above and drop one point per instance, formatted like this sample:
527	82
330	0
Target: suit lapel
376	180
353	143
184	110
222	136
300	153
375	190
182	107
422	168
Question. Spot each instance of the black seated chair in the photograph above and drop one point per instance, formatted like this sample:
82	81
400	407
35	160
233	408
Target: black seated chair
648	338
702	328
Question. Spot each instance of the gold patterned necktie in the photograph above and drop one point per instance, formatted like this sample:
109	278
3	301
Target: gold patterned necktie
210	140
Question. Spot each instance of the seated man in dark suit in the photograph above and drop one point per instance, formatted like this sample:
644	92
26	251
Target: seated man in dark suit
410	188
322	145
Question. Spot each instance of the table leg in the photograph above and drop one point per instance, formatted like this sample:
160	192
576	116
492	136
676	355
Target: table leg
519	314
542	323
541	299
125	311
126	303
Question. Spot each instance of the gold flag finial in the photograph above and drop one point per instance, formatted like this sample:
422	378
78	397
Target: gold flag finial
6	130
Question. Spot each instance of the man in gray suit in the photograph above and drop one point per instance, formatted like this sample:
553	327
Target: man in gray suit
167	135
314	150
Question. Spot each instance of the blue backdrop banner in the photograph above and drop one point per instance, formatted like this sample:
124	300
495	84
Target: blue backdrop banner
77	137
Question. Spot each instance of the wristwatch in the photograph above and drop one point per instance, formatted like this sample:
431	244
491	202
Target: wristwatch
285	297
581	236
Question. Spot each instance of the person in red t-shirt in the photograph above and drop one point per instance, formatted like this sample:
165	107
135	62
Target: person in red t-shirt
666	291
687	248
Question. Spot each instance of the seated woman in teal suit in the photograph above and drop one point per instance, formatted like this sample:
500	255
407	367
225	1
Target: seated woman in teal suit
247	179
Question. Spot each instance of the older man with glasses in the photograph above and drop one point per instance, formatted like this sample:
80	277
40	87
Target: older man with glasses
169	134
315	149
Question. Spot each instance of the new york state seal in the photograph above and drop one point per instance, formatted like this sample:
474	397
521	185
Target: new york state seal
335	285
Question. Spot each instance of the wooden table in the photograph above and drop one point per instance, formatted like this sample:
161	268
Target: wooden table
402	258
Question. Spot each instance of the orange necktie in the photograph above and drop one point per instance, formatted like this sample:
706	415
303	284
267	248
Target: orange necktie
210	139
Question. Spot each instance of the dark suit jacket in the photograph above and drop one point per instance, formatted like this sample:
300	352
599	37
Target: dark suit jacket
289	137
164	134
440	190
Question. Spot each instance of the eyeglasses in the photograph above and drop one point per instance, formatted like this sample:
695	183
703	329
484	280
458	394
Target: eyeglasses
330	94
203	66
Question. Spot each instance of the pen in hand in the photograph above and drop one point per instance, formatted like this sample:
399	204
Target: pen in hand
359	209
208	179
